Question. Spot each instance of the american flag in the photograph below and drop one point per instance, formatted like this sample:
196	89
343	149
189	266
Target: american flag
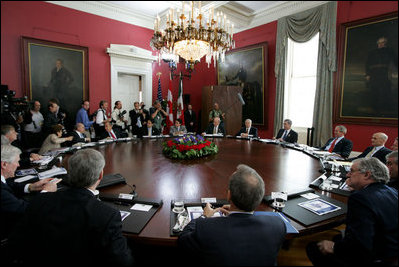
159	94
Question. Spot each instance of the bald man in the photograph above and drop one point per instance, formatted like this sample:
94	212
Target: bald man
377	148
79	135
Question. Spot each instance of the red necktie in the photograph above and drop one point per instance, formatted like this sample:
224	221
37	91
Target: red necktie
113	135
332	145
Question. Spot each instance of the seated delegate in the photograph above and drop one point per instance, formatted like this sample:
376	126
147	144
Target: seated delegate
339	144
248	130
149	130
215	127
287	134
377	148
371	234
178	129
54	140
72	227
240	238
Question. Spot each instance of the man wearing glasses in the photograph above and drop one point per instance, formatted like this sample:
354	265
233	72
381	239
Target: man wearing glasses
371	234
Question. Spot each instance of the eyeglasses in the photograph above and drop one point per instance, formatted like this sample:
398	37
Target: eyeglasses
353	171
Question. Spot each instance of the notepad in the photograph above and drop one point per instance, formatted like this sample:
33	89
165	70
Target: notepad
141	207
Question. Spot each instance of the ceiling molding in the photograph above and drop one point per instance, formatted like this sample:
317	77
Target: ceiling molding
109	10
241	18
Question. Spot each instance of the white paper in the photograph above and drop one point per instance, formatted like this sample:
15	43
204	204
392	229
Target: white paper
124	214
24	179
281	195
338	179
141	207
208	200
310	196
51	173
125	196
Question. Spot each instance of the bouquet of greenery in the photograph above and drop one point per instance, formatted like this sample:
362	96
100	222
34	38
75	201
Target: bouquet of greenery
189	147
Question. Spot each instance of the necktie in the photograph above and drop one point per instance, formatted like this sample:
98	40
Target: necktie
370	154
112	134
215	131
284	135
248	130
332	145
149	131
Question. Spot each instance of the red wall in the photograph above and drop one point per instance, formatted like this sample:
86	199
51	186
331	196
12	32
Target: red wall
51	22
355	10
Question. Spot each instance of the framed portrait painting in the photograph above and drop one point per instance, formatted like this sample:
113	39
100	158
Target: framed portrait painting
55	70
368	75
246	67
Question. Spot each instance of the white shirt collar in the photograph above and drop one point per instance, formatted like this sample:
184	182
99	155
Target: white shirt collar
3	179
95	192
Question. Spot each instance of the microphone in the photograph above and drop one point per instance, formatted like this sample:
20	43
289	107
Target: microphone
241	99
134	193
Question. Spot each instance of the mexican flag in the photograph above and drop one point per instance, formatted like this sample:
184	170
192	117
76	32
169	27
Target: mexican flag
180	106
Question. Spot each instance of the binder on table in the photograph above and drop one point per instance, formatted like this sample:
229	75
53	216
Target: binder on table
111	179
136	220
306	217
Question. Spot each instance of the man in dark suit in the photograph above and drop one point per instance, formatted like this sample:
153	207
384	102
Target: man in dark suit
13	205
109	132
239	238
72	226
371	234
339	145
149	130
287	134
215	127
392	164
79	135
190	119
377	148
248	130
137	117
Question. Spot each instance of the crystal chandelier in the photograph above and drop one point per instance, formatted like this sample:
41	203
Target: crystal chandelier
193	38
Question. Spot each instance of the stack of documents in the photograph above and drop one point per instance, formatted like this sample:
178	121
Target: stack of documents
52	172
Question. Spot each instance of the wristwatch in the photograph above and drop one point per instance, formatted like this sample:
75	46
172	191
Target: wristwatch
203	216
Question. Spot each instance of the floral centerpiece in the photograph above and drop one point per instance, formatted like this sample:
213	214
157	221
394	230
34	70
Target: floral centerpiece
189	147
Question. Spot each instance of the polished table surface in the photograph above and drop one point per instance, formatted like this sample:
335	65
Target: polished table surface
142	163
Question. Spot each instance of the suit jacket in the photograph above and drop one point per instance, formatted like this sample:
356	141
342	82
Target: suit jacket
380	154
173	129
12	205
221	130
77	138
252	130
238	239
371	225
292	136
73	228
343	147
155	131
105	134
190	118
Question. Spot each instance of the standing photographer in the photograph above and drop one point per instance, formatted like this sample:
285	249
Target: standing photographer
118	119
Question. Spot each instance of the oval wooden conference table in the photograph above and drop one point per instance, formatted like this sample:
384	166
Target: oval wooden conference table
142	163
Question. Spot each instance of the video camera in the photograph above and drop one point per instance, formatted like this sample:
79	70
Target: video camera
10	104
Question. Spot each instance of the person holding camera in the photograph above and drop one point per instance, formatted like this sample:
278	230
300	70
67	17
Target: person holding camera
32	134
137	118
118	119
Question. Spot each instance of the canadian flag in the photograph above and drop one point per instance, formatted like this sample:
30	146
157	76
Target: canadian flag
169	108
180	106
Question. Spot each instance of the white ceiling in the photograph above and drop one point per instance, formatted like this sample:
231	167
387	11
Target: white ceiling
243	14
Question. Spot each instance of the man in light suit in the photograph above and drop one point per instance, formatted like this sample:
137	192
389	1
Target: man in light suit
72	226
239	238
377	148
248	130
287	134
178	129
339	145
215	127
371	234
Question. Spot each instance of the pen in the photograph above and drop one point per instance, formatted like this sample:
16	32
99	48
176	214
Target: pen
55	180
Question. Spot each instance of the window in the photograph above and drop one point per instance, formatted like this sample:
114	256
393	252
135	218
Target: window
300	81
